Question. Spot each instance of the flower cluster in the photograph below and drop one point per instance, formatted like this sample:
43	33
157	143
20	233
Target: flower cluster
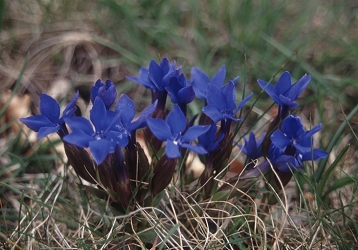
104	148
286	144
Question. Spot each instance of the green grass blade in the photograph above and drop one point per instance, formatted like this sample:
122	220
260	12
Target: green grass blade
333	142
341	183
327	174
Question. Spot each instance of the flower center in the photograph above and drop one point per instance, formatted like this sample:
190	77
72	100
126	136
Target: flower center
177	139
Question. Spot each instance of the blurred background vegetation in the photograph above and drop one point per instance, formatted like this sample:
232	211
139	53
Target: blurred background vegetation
80	41
69	44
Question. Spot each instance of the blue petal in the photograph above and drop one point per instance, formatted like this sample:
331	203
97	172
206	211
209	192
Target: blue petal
36	122
44	131
98	84
213	147
208	137
279	139
219	77
182	81
142	78
126	106
98	114
176	120
286	163
109	84
173	89
186	95
311	132
270	90
292	127
250	145
117	137
235	79
165	65
70	108
274	152
108	94
243	102
100	149
315	155
78	138
176	84
229	92
80	123
299	87
216	98
49	108
301	149
213	113
155	74
171	73
172	150
230	117
200	82
197	149
141	122
283	84
287	101
94	89
159	128
194	132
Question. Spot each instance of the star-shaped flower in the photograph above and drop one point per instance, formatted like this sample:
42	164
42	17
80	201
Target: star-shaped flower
125	109
102	139
49	121
172	131
201	80
222	102
292	144
157	76
292	133
282	161
284	93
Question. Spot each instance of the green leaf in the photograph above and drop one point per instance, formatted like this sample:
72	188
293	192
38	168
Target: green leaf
221	195
333	142
171	232
95	192
327	174
157	198
341	183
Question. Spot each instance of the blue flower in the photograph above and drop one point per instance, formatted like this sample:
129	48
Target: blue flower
125	109
49	121
292	133
107	92
292	145
102	139
282	161
201	80
222	102
180	91
157	76
252	148
172	131
284	93
209	141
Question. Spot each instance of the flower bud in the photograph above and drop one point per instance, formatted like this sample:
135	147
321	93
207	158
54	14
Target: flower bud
163	174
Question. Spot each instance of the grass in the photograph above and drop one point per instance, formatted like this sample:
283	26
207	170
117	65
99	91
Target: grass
47	44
